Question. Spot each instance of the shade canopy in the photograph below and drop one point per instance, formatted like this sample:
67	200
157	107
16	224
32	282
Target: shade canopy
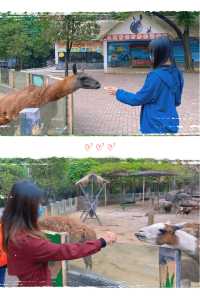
91	177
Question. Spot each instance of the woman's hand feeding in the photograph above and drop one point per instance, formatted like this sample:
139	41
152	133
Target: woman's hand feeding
111	90
109	237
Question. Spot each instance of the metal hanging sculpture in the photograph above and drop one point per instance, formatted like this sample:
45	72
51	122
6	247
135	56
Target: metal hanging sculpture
91	198
33	96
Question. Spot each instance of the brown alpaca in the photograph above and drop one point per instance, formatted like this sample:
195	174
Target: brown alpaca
33	96
77	231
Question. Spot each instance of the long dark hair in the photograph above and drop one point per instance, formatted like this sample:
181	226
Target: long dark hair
21	211
161	51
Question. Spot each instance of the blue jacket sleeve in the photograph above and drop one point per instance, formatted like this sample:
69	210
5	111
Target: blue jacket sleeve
180	91
147	94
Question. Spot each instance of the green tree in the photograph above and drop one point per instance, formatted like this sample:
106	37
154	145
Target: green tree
185	20
26	38
9	174
72	28
50	174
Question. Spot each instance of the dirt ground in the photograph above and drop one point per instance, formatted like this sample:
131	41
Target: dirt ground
129	261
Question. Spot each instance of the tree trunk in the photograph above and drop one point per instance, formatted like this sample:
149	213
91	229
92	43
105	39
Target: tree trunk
21	64
67	56
184	37
18	64
187	51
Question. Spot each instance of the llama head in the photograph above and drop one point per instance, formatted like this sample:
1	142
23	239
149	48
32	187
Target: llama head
84	81
159	234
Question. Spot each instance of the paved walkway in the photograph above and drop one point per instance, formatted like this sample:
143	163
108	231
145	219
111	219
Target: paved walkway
97	113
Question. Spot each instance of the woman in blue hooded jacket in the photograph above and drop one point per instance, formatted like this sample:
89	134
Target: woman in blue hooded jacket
161	93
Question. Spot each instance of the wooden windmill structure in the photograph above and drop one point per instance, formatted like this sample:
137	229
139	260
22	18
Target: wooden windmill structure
92	186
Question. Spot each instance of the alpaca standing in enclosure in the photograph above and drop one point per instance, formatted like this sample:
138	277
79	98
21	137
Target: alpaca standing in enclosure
175	236
33	96
78	232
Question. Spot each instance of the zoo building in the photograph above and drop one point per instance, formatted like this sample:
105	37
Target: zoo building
124	44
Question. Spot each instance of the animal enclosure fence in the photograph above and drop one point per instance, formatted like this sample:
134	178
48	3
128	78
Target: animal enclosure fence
62	207
55	118
63	275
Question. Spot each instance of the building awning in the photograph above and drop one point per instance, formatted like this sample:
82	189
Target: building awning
134	36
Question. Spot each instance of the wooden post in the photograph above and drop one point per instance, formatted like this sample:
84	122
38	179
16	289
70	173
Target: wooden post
158	192
92	190
150	216
28	79
51	205
143	189
105	195
70	113
169	267
105	55
58	207
12	76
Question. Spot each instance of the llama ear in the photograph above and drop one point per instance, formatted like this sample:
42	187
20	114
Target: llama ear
178	226
74	69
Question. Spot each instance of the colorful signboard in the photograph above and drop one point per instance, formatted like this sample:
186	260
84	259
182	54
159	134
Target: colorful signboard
134	36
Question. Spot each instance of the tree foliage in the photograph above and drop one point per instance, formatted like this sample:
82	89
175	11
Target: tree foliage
26	38
182	24
73	28
57	176
9	174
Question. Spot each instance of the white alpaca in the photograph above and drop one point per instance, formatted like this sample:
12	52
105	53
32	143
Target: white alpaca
170	236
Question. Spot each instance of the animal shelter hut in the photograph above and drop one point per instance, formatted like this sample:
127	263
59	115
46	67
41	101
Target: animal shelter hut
92	186
144	174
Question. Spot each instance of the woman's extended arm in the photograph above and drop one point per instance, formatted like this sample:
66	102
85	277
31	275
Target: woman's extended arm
42	250
147	94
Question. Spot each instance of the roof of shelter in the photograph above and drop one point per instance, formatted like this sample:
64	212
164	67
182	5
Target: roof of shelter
88	178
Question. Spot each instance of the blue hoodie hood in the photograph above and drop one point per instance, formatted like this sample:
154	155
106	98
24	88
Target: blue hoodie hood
171	77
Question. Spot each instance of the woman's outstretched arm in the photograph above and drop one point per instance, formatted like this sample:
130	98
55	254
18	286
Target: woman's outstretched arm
42	250
147	94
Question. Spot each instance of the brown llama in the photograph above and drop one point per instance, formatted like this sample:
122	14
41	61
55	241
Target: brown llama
78	232
33	96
